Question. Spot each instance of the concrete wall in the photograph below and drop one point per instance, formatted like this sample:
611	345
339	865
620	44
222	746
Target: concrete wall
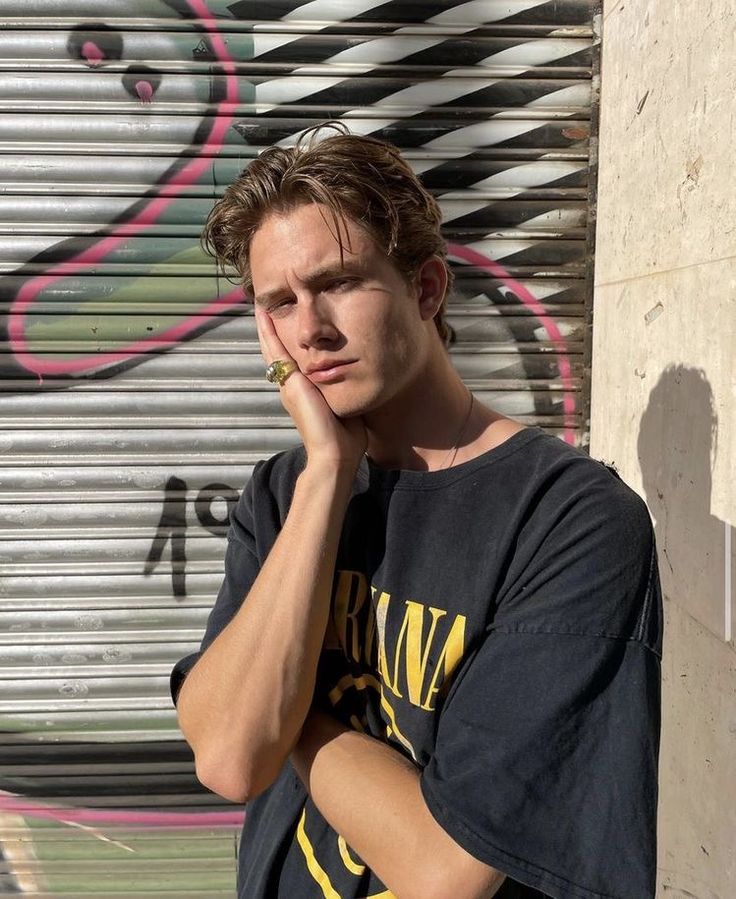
663	386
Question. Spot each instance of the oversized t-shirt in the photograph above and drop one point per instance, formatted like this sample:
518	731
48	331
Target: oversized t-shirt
499	623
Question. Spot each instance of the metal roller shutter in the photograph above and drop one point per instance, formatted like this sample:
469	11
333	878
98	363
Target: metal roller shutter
133	404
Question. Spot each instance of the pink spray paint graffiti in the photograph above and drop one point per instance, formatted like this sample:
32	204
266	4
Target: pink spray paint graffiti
146	217
101	817
470	256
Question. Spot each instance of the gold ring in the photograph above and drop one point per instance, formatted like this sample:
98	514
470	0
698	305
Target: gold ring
279	370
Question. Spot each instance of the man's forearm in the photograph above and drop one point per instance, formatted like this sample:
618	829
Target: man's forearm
242	705
370	794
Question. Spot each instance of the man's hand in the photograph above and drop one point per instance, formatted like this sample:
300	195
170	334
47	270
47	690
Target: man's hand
327	438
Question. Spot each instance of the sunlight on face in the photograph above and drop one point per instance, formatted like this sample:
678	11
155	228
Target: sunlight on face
362	311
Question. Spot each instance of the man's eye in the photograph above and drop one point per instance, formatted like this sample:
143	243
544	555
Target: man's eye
341	283
281	306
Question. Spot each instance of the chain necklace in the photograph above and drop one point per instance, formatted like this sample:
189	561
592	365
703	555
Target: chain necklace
450	458
454	450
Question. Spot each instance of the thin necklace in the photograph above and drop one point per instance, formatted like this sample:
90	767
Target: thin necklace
453	451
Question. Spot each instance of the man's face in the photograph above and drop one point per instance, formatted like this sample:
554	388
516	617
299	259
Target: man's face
362	314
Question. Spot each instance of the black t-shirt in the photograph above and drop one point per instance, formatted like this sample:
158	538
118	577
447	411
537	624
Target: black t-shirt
500	624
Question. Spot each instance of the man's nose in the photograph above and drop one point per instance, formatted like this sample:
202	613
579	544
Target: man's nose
315	321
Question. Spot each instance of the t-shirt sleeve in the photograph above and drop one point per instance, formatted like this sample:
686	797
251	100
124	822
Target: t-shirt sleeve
241	569
546	754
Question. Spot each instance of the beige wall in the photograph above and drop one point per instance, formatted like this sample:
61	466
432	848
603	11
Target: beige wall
664	386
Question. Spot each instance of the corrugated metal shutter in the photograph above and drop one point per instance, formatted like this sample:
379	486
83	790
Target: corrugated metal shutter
133	402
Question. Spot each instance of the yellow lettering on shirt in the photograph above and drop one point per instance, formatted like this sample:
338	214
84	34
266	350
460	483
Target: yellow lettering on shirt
362	630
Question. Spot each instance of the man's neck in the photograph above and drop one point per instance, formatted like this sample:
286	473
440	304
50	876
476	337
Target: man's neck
420	428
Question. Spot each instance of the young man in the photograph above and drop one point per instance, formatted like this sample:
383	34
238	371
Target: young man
433	666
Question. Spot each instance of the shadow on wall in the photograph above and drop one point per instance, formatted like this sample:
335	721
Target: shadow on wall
677	448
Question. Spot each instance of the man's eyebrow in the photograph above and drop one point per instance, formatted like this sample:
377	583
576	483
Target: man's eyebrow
320	274
336	271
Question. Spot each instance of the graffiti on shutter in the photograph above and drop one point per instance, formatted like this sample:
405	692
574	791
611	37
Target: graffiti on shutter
133	400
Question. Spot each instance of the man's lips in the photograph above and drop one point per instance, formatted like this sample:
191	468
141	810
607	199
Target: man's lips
326	371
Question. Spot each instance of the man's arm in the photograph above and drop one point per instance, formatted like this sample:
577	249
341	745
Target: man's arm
242	705
370	794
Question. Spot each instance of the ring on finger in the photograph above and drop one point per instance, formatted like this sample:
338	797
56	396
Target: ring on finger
279	370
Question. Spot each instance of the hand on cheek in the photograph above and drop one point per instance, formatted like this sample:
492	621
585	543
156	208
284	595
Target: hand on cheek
326	438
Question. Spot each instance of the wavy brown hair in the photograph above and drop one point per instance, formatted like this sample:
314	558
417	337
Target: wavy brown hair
354	177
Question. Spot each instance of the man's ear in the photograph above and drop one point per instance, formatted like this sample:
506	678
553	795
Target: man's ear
431	280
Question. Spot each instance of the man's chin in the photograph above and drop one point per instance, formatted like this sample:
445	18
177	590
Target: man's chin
349	407
355	396
345	412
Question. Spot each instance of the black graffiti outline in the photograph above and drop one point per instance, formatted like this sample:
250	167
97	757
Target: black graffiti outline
172	526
